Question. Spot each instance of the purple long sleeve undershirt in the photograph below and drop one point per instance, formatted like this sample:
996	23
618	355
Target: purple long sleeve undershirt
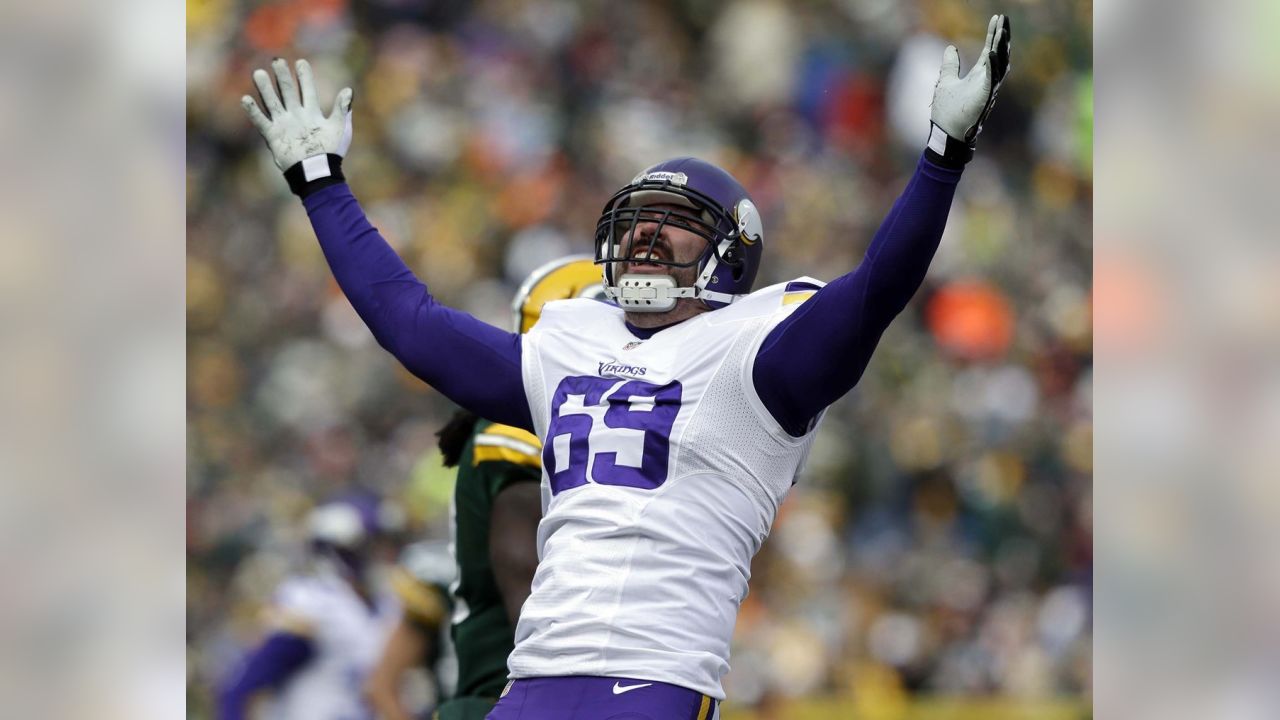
279	657
810	360
818	354
472	363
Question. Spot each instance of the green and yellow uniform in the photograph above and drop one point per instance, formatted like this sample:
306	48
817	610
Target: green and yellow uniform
495	457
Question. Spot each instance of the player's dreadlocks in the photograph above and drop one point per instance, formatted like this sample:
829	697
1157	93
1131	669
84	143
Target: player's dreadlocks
455	434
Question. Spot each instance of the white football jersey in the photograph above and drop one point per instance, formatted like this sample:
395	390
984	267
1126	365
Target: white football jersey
662	474
348	637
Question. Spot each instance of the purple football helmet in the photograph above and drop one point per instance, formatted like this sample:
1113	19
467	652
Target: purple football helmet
714	206
346	528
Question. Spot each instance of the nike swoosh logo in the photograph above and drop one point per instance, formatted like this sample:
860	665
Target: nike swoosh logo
618	688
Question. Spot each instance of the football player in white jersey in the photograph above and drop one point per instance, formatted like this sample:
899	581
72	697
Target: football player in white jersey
674	423
326	627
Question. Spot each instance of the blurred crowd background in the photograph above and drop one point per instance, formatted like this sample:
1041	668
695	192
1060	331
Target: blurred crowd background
939	543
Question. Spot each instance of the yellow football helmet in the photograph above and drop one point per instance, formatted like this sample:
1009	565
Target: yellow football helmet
574	276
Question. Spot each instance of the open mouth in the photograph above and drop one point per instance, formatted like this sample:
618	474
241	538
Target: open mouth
637	262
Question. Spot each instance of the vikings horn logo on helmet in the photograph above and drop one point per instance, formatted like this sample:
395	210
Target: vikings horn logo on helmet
750	229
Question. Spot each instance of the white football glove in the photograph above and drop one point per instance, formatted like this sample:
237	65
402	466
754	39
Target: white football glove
961	104
297	130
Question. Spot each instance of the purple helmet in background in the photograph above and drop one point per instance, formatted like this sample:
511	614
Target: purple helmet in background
346	528
378	515
717	208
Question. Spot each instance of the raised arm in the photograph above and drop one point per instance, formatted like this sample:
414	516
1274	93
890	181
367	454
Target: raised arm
474	364
817	354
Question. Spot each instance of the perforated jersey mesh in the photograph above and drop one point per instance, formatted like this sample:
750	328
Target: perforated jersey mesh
727	435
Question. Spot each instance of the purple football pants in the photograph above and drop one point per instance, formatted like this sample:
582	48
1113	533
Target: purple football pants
600	698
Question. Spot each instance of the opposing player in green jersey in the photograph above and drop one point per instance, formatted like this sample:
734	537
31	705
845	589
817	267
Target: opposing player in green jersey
497	504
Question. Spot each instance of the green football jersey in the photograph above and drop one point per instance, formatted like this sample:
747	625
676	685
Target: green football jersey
496	456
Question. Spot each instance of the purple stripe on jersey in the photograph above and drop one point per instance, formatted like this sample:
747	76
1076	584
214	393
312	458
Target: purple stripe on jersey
816	355
472	363
799	285
586	697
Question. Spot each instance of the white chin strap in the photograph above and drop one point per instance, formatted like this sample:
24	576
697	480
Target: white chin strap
637	292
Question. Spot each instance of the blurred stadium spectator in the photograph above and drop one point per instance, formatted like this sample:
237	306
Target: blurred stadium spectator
940	543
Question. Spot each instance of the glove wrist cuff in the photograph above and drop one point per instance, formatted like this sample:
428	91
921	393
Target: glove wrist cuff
315	173
947	151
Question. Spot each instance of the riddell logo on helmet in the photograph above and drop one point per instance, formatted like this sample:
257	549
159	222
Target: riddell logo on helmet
676	178
618	369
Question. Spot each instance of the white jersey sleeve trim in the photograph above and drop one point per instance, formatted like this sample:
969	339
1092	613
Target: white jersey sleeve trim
535	388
